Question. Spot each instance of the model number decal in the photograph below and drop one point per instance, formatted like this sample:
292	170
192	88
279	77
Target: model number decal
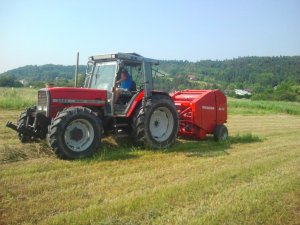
62	100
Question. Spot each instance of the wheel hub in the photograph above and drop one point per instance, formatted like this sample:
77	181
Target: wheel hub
76	134
79	135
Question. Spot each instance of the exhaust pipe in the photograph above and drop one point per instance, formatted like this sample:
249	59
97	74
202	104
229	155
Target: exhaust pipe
76	70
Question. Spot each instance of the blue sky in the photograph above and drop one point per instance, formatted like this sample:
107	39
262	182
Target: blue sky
38	32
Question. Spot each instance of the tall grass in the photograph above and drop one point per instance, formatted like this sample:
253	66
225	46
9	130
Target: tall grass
245	106
17	98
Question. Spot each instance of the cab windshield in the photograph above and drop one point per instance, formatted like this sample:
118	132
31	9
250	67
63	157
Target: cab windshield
88	74
104	75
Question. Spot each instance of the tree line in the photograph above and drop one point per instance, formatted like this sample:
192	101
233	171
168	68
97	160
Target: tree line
273	78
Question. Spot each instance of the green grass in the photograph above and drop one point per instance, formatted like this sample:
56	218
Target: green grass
244	138
120	150
246	106
17	98
251	179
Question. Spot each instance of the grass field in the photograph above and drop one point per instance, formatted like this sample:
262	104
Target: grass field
17	98
246	106
254	178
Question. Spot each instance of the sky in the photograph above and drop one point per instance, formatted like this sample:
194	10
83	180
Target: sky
36	32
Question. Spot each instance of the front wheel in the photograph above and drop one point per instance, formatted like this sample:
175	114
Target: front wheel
75	133
25	119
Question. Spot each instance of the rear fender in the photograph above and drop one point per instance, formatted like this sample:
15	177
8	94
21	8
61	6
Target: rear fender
135	103
138	99
160	93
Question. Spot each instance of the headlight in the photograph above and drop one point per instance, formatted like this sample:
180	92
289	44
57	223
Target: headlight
41	108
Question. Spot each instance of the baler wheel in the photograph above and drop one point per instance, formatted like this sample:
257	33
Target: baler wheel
220	133
75	133
155	124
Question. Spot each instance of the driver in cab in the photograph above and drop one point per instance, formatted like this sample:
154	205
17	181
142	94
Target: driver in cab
125	84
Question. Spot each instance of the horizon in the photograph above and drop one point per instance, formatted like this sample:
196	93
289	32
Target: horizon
52	32
275	56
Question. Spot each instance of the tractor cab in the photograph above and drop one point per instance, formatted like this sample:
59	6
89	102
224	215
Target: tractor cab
103	72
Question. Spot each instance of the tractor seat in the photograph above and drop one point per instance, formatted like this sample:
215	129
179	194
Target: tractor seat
125	97
133	87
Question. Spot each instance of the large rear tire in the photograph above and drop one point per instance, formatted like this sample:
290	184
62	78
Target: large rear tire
75	133
156	123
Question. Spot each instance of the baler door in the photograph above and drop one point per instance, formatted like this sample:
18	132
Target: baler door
221	105
208	111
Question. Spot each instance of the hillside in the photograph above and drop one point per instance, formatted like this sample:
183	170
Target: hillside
244	69
261	70
43	73
268	78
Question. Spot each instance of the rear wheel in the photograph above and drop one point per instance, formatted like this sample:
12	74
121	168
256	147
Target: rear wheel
156	123
220	133
75	133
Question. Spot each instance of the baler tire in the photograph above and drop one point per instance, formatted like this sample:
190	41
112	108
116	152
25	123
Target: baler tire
80	116
142	118
220	133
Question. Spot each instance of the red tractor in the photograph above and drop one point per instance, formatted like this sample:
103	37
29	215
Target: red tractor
75	119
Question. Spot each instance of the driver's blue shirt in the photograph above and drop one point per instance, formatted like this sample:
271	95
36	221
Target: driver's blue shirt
126	84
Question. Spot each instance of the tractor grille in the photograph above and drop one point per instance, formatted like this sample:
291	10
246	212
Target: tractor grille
43	102
42	98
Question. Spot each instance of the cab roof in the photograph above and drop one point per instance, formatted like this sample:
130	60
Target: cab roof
133	57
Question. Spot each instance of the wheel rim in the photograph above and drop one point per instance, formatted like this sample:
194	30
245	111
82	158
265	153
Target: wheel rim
79	135
161	124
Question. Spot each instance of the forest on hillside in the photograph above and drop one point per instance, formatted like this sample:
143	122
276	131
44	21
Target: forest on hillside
268	78
276	78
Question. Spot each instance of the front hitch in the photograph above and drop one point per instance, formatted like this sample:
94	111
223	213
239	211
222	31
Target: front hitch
26	134
25	126
11	126
31	126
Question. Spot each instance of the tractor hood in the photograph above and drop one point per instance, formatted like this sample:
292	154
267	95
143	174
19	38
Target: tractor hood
58	98
77	95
